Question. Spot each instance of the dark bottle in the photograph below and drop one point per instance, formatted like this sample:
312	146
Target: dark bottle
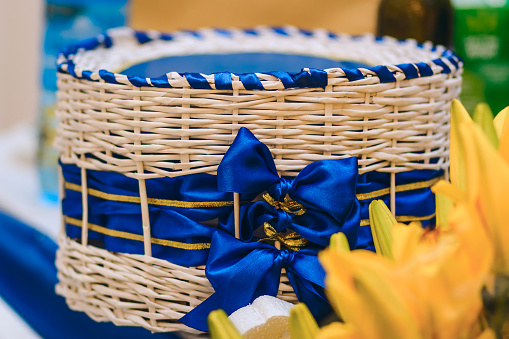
422	20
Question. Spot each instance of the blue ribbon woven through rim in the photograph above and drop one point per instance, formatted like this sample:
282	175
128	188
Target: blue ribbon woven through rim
307	78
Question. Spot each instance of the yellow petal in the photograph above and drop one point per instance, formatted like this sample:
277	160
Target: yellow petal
341	268
221	327
462	275
484	160
381	221
355	302
501	123
483	116
390	315
443	208
487	334
340	288
339	242
302	323
472	168
449	190
338	330
500	120
474	240
459	115
405	241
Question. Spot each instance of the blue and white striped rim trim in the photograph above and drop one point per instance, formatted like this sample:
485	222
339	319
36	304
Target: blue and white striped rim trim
307	78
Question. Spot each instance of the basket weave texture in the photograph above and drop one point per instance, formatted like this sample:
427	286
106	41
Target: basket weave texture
148	128
134	290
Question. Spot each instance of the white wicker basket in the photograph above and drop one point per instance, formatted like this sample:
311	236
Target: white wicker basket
394	118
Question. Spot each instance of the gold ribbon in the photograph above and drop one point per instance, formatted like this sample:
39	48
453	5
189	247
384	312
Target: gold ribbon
292	240
286	205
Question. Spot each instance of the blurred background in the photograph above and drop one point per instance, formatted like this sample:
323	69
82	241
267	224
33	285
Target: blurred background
33	31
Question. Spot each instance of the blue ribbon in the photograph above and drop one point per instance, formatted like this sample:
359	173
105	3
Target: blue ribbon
240	272
326	189
167	222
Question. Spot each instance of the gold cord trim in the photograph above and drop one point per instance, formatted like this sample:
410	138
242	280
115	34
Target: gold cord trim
400	188
287	205
292	240
403	218
138	237
151	201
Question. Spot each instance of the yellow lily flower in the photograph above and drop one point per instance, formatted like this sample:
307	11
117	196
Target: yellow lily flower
478	191
481	179
361	292
431	288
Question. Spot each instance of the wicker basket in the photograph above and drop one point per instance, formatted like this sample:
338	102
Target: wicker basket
393	118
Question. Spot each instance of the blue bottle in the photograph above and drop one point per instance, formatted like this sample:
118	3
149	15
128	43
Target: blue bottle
67	21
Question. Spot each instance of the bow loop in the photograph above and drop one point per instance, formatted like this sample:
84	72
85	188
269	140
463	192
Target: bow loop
247	166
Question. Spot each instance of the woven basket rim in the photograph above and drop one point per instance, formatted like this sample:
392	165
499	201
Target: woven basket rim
448	62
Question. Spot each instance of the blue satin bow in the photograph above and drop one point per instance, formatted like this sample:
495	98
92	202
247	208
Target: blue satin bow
326	191
240	272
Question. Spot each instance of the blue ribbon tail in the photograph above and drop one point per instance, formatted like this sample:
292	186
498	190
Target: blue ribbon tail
239	272
307	277
312	294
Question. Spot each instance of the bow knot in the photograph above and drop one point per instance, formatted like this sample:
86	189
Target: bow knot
286	256
282	188
282	220
292	240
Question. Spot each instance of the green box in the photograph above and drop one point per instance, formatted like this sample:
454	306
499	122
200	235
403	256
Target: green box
481	38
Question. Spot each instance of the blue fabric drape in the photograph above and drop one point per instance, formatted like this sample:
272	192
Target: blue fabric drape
27	284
